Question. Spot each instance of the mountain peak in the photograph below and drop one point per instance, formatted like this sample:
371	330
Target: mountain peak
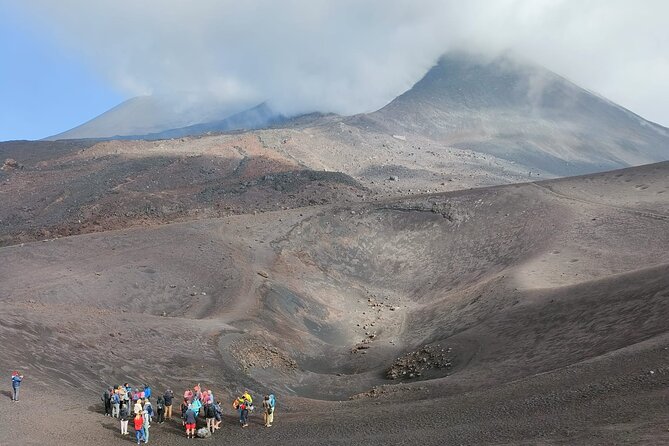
520	112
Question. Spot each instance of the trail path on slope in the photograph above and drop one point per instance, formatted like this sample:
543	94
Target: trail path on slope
643	213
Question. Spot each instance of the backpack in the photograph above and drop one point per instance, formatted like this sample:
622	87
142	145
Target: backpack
272	401
116	399
203	432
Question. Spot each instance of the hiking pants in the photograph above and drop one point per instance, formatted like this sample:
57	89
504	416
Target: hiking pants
269	418
115	410
124	427
138	435
15	395
210	424
108	408
145	431
168	411
160	415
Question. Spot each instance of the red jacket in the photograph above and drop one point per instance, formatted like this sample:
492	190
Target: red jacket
139	423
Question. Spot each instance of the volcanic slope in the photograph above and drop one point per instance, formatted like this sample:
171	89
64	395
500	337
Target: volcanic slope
522	314
523	113
144	115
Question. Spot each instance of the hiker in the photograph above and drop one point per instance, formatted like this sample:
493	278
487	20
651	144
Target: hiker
268	410
16	385
184	408
210	415
125	397
146	416
196	405
243	404
148	408
160	410
116	403
169	397
244	414
218	415
138	424
197	393
190	419
106	399
123	416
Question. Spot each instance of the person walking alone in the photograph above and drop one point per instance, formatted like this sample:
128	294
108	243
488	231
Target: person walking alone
106	399
160	410
268	410
169	398
17	379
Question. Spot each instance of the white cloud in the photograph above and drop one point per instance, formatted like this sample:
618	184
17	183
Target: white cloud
351	56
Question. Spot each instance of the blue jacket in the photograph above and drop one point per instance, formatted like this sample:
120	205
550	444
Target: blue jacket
147	392
16	381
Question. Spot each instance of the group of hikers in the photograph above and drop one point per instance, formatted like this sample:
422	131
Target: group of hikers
125	403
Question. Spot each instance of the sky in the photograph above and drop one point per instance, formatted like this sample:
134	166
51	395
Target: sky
64	62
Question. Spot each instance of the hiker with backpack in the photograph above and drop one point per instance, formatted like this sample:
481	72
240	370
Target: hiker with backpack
268	409
218	415
169	398
190	419
160	410
209	415
17	379
148	408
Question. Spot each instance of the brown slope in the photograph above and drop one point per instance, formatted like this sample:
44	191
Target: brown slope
540	341
66	188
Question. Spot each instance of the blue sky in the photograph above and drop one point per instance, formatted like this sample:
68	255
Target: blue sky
63	62
44	89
